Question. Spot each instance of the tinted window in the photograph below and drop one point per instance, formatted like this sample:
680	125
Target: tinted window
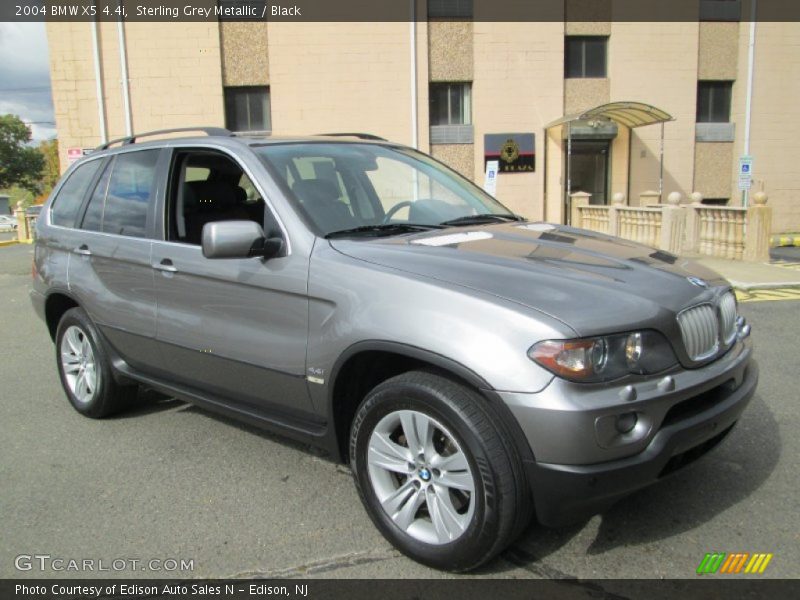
585	56
93	219
247	109
714	101
70	197
130	190
450	8
720	10
450	103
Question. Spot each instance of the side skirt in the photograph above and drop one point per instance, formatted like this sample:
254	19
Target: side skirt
309	431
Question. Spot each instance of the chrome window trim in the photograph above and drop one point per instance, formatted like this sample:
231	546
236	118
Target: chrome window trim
174	147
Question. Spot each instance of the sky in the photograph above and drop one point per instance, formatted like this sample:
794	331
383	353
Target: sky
25	77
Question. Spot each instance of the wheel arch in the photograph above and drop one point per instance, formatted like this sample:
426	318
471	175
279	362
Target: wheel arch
56	304
366	364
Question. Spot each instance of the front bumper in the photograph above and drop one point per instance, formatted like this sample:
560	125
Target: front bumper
577	473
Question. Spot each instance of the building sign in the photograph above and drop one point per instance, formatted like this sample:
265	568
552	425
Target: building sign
74	154
745	172
514	152
490	183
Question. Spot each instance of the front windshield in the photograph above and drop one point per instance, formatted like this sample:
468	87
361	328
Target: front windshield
342	186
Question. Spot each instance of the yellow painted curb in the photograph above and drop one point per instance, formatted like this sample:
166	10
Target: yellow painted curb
770	294
8	243
779	241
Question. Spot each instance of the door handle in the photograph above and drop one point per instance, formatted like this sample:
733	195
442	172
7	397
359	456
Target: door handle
83	250
166	266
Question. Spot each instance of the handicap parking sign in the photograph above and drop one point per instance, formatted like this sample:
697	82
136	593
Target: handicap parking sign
745	172
745	165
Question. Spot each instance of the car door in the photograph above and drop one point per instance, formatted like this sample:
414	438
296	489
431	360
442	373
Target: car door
109	269
234	329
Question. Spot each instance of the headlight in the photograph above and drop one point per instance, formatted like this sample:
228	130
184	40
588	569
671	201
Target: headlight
605	358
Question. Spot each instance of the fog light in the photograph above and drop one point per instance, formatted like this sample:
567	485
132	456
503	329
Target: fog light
626	423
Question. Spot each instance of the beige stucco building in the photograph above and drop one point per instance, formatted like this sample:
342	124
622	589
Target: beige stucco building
444	84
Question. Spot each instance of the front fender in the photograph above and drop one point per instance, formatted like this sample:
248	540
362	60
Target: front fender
484	337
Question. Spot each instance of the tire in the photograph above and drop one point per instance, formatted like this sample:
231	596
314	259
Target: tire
96	394
462	514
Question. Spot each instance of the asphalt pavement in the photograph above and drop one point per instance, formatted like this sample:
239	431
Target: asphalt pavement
785	253
170	481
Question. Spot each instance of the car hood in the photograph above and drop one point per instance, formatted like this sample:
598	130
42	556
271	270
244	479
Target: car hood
591	282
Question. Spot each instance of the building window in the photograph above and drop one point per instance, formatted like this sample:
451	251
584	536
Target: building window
450	8
720	10
451	103
714	101
247	109
585	56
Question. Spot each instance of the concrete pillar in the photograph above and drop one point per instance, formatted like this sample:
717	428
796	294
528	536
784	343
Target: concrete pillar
617	200
649	198
576	200
673	224
759	223
691	242
23	234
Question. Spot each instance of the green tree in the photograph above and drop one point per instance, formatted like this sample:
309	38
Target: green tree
18	194
20	164
52	170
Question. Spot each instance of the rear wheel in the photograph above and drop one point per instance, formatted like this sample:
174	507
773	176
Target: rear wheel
85	370
435	472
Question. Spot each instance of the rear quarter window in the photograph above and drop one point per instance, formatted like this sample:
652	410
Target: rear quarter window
70	197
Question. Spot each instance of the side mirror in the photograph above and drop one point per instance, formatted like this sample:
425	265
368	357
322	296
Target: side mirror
238	239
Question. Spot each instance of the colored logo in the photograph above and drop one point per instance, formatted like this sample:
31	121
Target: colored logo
510	151
697	281
735	563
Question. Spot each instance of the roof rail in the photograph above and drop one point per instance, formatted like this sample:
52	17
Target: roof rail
361	136
219	131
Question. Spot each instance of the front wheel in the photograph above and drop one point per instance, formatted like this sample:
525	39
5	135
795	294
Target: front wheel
435	472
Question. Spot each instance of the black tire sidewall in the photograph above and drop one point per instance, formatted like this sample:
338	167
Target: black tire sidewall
77	317
469	548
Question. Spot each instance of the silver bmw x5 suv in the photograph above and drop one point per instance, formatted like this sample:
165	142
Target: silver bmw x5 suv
473	368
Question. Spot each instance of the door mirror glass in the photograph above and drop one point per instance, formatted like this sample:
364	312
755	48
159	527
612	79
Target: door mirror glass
238	239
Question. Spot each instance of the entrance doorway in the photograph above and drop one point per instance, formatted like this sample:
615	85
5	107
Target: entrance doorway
589	169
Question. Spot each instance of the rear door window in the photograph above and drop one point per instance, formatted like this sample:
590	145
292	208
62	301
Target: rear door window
120	201
70	197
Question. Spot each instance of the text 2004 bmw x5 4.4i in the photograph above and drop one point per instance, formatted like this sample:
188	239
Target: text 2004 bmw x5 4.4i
473	368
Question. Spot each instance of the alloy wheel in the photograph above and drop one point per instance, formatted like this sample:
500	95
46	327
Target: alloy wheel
78	363
421	477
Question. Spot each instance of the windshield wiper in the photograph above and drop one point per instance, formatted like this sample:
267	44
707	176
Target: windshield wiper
479	219
385	228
